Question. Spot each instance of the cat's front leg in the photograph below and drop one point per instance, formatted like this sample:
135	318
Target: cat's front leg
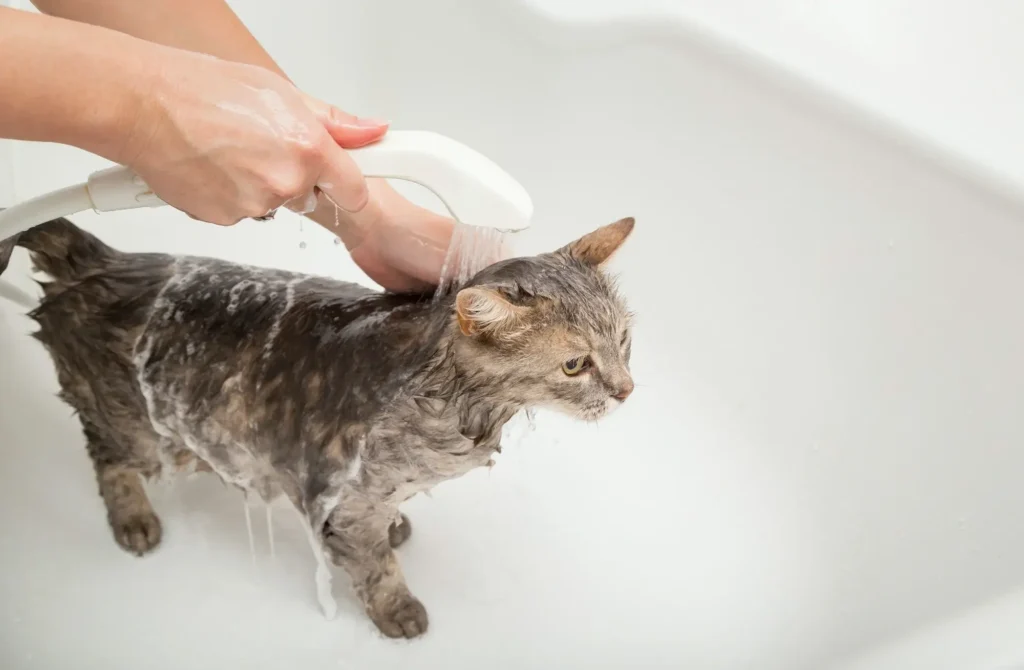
362	546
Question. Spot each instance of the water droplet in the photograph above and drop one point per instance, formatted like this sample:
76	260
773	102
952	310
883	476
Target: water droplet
337	241
302	244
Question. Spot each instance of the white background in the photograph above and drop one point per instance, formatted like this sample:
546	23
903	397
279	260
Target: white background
820	466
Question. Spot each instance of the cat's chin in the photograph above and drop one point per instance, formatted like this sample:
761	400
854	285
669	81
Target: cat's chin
598	410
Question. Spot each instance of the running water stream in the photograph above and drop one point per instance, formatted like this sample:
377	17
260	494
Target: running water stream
471	250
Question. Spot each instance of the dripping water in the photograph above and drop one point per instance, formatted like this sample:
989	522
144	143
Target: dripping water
270	531
322	576
248	527
518	429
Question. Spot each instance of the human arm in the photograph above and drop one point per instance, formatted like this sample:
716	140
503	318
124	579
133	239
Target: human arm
397	243
73	83
201	26
220	140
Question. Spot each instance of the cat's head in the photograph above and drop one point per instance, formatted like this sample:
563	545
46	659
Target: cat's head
551	330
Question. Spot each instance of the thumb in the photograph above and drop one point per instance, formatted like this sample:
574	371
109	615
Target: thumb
348	130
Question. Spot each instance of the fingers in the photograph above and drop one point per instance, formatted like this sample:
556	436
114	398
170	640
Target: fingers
341	180
356	132
348	130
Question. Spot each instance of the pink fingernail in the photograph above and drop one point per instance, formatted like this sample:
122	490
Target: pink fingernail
367	123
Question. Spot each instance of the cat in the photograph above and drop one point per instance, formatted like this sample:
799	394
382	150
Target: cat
346	400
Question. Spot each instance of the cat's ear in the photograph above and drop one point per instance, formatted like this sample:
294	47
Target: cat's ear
485	311
596	248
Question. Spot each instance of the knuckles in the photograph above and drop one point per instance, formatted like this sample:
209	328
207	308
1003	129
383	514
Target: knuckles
295	176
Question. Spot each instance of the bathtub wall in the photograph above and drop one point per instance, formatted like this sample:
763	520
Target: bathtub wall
823	456
949	78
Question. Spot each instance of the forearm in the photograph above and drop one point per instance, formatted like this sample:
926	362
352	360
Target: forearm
69	83
203	26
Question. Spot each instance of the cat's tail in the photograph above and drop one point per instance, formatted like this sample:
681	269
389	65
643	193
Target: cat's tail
60	249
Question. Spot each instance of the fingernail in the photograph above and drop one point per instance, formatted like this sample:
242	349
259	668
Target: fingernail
358	122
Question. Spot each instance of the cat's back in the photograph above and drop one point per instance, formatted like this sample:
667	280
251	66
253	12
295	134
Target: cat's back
217	303
216	324
263	354
123	297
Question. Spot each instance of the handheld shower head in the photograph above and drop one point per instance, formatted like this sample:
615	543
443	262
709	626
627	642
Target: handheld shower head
474	189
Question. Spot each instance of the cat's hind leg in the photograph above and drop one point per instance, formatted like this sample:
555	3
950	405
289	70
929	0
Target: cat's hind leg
135	525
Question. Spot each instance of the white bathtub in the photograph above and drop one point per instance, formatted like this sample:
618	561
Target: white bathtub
821	466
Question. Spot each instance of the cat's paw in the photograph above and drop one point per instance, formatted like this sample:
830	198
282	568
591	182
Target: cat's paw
399	531
138	533
400	615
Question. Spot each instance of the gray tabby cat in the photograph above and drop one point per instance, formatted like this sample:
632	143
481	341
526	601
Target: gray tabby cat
346	400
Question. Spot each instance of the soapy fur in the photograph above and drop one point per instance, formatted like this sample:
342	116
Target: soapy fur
345	400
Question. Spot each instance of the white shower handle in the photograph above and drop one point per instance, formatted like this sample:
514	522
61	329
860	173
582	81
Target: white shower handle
473	188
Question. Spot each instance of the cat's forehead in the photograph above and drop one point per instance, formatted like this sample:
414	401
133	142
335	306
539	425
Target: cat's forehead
585	299
551	275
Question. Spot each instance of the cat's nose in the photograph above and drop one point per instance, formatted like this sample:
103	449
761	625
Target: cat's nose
624	392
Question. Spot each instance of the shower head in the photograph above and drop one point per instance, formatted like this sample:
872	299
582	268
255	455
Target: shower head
473	188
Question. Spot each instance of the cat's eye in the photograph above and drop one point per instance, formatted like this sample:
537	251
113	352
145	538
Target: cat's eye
576	365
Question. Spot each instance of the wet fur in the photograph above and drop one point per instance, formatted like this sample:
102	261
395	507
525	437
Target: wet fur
345	400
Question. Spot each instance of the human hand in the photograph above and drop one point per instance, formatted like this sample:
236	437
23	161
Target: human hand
224	141
399	245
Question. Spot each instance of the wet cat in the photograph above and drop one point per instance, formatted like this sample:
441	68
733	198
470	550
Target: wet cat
346	400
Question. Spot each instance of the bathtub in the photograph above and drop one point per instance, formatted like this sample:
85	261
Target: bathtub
820	468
